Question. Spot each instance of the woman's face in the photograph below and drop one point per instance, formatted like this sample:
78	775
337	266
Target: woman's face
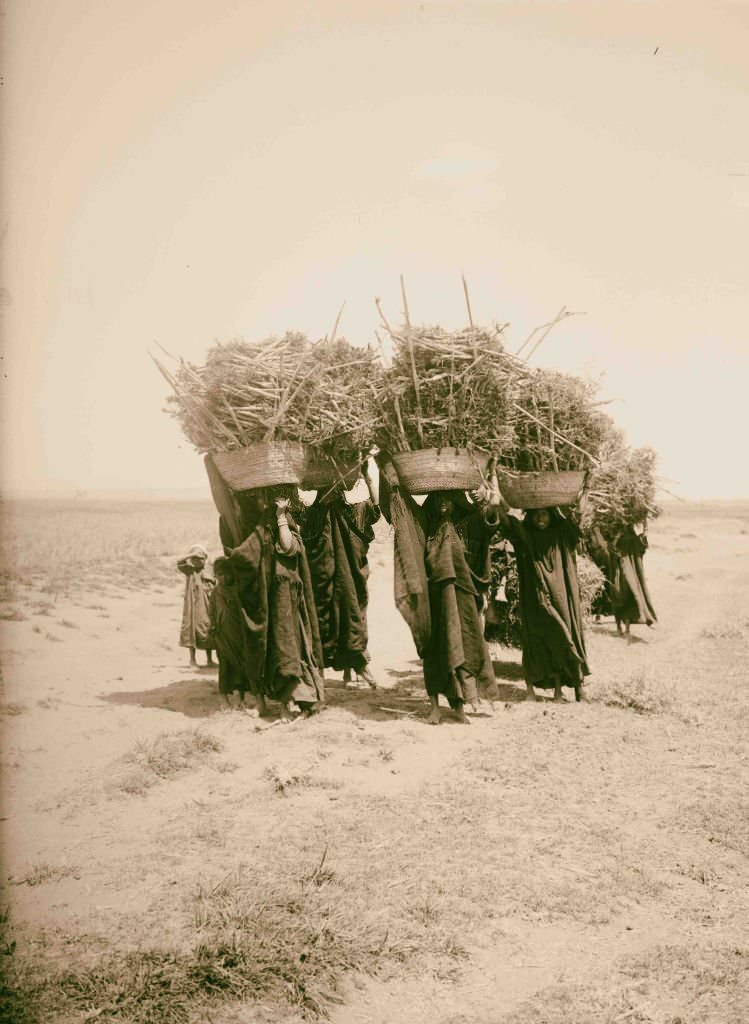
446	507
541	518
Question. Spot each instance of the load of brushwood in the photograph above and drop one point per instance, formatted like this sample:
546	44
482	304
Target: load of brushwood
449	389
503	618
324	394
464	389
622	489
558	423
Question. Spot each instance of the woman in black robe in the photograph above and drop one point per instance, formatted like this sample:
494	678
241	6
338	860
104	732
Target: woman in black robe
228	632
337	536
599	550
554	655
283	652
631	598
441	578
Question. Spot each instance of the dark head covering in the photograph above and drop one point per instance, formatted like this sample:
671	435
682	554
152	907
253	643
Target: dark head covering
431	507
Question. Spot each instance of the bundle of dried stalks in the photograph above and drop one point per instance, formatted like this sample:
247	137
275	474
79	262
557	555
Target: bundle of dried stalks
323	394
450	389
622	489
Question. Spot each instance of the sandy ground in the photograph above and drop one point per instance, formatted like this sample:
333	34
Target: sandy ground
601	834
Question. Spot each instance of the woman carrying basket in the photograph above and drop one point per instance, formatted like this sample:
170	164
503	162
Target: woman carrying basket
632	602
284	655
545	542
441	576
336	537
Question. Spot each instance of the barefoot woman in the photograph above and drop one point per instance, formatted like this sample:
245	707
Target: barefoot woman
284	656
439	539
554	655
337	536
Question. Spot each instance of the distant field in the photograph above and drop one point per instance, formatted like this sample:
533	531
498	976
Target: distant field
60	542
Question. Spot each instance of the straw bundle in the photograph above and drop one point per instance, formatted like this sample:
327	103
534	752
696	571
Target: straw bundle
622	489
321	394
449	390
559	424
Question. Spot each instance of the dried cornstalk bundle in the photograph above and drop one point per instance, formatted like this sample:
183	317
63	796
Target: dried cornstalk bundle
622	489
560	425
449	389
343	408
288	388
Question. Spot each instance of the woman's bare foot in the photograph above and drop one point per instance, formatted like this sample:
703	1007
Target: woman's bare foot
367	676
346	676
434	714
460	714
286	714
262	707
530	693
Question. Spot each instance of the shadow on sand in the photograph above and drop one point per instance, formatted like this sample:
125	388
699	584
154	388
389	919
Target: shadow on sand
403	696
600	630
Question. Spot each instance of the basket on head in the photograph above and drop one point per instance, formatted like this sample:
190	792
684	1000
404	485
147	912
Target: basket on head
265	464
320	473
439	469
540	490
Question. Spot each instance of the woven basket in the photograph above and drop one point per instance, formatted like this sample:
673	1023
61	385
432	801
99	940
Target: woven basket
320	473
540	490
264	464
439	469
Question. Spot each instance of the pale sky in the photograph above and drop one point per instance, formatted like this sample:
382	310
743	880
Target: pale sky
185	172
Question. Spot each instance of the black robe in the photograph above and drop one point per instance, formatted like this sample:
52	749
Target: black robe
551	619
284	655
229	637
440	581
631	600
599	551
337	538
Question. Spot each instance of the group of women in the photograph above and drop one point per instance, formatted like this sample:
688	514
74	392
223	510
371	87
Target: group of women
290	599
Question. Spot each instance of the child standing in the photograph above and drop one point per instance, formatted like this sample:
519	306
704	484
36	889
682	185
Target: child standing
195	629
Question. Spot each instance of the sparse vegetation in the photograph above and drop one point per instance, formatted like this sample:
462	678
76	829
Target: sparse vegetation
727	630
40	873
170	754
12	708
637	693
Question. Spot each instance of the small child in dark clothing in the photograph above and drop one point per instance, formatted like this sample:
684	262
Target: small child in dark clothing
228	630
195	627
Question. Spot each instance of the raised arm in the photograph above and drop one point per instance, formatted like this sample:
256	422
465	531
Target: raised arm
285	536
583	499
388	483
372	487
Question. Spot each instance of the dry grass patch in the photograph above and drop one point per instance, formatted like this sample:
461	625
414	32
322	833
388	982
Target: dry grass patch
738	630
12	615
284	780
40	873
665	985
637	693
165	757
12	708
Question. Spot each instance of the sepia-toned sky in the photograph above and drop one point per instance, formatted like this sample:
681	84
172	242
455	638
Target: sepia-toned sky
181	172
